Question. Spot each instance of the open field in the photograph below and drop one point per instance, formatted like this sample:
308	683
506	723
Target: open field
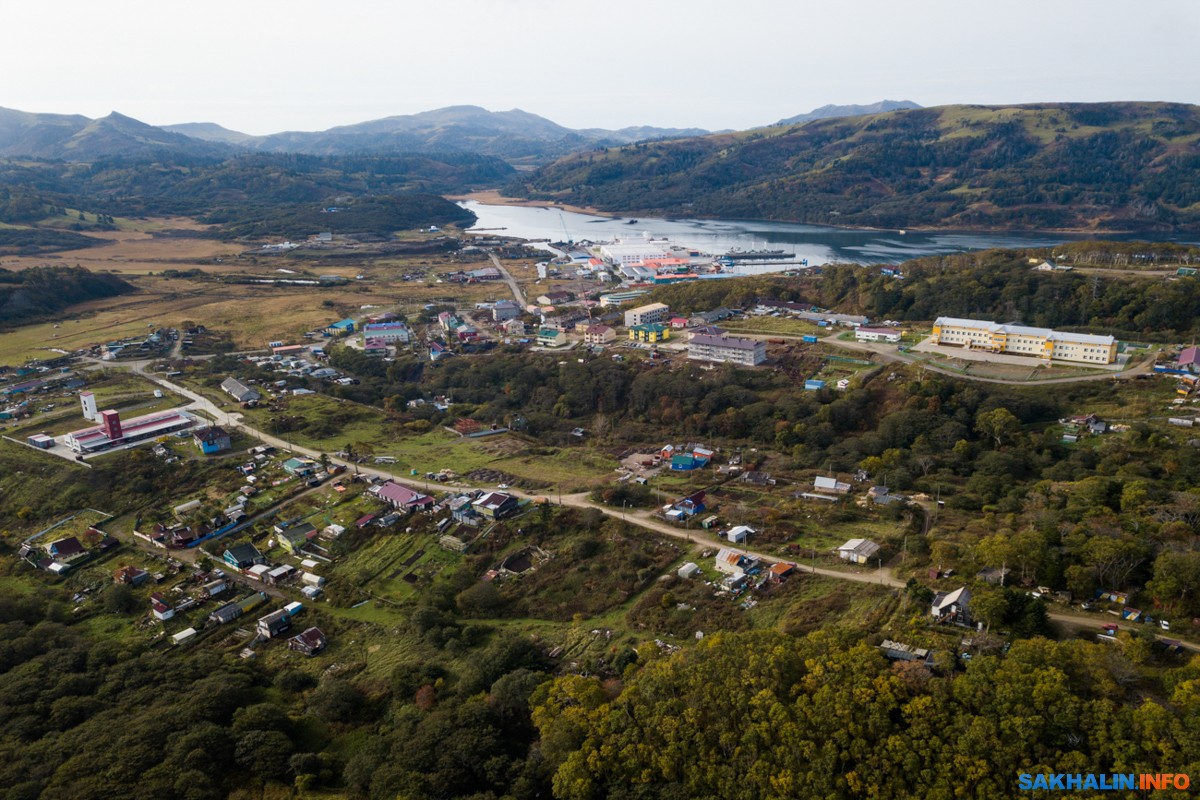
134	249
781	325
252	314
75	524
1014	372
569	469
127	393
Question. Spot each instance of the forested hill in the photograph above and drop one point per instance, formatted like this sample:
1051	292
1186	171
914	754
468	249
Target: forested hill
41	291
258	194
1102	166
992	284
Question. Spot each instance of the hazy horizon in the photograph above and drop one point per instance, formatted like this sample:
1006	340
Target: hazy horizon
268	67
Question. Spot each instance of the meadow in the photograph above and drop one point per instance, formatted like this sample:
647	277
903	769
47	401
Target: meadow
252	314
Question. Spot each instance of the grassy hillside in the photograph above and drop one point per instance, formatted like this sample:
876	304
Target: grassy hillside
1103	166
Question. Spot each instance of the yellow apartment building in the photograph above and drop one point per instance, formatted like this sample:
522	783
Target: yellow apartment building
1044	343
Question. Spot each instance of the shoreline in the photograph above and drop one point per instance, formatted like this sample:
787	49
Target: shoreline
493	197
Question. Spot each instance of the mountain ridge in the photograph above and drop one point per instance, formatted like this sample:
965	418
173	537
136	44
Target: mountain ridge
1054	166
518	136
831	111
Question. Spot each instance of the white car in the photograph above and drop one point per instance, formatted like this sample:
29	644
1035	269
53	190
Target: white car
502	486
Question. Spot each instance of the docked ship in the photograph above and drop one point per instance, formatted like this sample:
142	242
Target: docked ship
747	255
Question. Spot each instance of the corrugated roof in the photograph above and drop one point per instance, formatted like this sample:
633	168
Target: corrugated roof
734	342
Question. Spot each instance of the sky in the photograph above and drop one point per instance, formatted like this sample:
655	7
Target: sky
264	66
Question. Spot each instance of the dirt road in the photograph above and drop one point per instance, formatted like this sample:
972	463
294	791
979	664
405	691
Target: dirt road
698	539
518	295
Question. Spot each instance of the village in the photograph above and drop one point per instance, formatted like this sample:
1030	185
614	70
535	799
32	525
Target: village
269	535
300	518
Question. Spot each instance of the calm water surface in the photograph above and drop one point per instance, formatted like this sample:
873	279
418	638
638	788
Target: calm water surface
820	245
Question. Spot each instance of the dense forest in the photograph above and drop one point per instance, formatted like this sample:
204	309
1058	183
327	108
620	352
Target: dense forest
255	194
193	186
993	284
377	215
1105	166
747	715
32	241
41	291
767	716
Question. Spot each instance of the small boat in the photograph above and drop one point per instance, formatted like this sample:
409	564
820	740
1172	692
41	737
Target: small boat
902	231
631	222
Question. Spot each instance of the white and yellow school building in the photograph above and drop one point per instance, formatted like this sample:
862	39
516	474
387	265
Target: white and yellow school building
992	337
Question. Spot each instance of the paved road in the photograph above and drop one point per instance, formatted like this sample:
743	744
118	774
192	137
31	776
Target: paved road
518	295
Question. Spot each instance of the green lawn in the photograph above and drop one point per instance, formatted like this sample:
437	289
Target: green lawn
785	326
76	524
565	469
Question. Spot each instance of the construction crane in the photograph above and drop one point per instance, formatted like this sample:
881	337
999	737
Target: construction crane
566	232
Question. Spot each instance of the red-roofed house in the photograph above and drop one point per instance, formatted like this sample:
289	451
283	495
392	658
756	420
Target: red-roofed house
599	334
65	548
496	505
781	570
131	575
401	497
310	642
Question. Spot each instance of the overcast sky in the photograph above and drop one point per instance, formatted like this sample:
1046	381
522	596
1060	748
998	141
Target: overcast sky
262	66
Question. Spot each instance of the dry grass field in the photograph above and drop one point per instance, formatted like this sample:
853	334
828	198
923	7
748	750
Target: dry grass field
134	250
252	314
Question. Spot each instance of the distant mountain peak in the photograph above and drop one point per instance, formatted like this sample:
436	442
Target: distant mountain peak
832	111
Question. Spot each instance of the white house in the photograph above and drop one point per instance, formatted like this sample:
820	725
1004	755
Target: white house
732	562
858	551
830	484
865	334
739	534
